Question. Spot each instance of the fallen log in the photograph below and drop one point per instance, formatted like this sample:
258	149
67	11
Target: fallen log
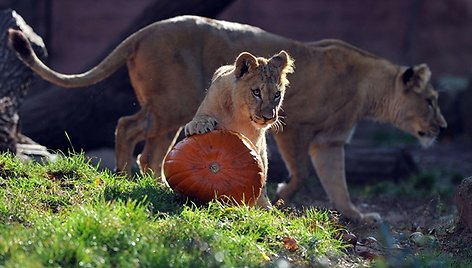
463	200
362	164
379	163
15	81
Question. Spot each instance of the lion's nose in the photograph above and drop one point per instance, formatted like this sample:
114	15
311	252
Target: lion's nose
442	122
267	118
268	114
443	125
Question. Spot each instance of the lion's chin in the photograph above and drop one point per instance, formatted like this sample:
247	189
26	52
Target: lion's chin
426	138
259	125
427	142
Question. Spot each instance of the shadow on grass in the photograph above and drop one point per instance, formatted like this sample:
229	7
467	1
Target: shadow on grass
157	198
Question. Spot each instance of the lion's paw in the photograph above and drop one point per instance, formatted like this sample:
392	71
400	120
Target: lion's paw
200	126
352	213
372	218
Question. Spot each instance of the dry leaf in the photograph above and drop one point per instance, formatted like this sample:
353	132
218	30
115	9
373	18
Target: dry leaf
290	243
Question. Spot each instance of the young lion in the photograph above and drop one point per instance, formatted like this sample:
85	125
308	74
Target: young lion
245	98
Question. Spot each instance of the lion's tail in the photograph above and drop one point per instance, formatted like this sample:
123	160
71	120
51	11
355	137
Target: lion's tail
20	43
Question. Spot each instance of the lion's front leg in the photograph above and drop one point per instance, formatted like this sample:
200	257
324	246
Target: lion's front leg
263	200
329	164
200	124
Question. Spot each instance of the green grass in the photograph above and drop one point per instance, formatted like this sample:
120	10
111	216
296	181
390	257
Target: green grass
425	183
68	214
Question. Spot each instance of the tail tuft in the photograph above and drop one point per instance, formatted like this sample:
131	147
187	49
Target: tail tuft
18	42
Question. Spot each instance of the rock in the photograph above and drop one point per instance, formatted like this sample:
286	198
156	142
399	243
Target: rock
349	238
464	203
422	240
367	252
369	248
370	241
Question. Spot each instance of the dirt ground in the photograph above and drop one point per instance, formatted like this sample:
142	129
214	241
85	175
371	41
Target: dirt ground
410	222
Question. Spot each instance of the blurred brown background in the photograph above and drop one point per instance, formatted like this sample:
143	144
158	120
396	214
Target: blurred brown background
404	31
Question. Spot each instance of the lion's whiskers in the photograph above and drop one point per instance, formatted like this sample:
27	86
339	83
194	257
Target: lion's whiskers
278	125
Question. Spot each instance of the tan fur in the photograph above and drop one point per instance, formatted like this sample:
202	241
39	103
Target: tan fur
245	98
335	86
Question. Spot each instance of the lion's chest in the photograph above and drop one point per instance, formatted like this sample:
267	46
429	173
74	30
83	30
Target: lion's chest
245	128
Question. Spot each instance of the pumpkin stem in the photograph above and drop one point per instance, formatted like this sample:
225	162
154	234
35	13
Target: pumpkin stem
214	167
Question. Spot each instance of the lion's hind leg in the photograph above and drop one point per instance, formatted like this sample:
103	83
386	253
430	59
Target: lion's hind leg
155	149
129	131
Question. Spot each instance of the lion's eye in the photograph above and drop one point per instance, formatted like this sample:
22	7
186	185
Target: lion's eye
256	92
277	95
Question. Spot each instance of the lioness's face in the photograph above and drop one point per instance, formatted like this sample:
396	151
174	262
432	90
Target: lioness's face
420	113
260	87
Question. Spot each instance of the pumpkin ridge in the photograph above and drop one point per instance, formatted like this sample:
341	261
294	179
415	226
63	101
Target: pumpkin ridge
203	149
184	190
235	181
225	174
211	138
187	158
240	153
178	173
206	198
238	169
198	148
179	178
185	152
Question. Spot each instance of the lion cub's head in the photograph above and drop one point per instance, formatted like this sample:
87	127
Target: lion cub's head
419	113
258	86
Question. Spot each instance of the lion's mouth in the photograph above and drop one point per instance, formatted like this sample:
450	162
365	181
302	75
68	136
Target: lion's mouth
261	121
423	134
427	137
432	133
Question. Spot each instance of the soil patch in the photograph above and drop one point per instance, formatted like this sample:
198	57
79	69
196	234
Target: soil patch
411	221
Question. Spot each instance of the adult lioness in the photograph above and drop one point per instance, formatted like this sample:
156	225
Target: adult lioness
335	86
245	98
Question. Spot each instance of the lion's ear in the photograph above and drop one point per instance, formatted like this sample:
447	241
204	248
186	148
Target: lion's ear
245	63
284	65
283	62
415	78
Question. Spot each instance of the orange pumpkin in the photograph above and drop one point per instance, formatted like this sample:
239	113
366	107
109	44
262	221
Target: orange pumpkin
220	163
